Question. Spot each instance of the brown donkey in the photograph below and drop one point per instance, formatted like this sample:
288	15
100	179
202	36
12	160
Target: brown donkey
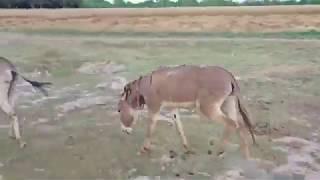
211	90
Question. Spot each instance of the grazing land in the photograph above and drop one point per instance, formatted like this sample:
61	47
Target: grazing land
75	132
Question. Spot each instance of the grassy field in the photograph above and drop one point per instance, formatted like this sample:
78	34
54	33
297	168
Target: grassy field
278	78
278	74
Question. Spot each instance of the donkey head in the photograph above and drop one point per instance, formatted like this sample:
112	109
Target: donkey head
131	100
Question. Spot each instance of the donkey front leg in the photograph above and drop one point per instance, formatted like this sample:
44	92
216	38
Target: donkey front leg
152	122
179	128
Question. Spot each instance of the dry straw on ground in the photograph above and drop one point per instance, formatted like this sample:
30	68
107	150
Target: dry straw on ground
213	19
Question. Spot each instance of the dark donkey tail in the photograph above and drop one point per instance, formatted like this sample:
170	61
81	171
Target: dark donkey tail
245	116
243	111
38	85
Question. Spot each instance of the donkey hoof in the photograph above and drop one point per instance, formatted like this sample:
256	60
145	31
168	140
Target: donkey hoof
23	145
220	153
190	152
237	126
144	150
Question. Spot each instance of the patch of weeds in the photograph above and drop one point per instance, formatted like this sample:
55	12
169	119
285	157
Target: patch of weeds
311	34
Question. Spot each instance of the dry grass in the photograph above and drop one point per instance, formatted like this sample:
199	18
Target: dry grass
213	19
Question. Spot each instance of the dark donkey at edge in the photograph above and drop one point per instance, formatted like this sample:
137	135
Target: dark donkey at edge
8	80
211	90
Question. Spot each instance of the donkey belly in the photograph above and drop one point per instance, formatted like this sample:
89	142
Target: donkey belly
171	104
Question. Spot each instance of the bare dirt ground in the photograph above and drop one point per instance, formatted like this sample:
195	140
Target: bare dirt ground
221	19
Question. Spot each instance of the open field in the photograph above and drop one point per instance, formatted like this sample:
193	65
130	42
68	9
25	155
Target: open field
75	133
213	19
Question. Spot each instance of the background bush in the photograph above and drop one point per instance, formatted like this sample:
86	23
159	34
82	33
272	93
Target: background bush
148	3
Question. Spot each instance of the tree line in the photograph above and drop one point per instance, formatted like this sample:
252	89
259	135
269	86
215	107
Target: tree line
148	3
40	3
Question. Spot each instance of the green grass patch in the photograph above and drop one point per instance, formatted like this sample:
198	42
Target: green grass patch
311	34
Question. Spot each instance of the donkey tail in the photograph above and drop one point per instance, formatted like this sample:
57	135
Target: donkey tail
245	116
39	85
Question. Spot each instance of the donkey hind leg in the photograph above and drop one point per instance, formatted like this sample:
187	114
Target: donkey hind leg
244	145
231	110
8	109
11	130
11	101
212	110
